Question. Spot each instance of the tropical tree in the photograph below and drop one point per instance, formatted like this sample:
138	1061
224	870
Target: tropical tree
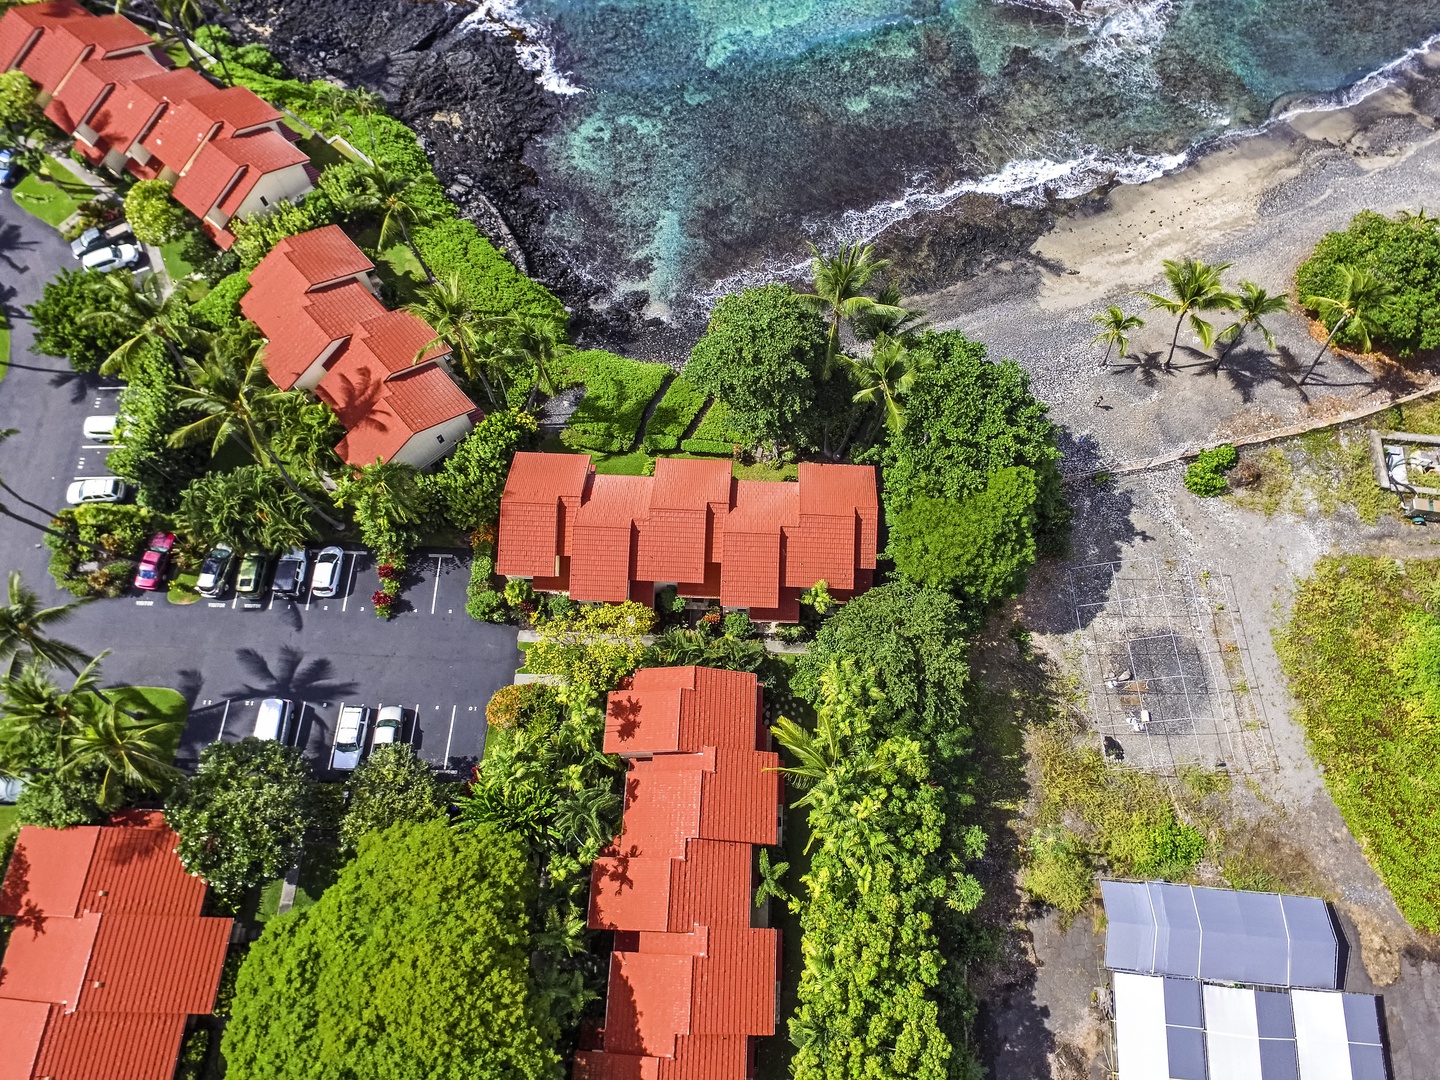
839	282
889	316
129	751
535	342
1196	287
249	508
39	716
770	875
884	377
1115	327
390	506
147	315
20	116
1354	307
25	631
399	203
447	308
1253	304
393	784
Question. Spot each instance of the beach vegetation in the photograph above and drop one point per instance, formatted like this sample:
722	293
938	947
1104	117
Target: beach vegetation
1115	326
1195	287
888	316
840	282
1254	305
1205	476
617	393
673	415
1404	253
884	377
1362	653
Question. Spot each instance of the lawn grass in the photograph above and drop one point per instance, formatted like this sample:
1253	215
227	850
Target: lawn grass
182	589
9	826
176	265
53	196
1362	652
632	464
319	867
159	703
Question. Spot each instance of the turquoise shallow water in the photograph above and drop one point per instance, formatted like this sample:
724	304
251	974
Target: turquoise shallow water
714	137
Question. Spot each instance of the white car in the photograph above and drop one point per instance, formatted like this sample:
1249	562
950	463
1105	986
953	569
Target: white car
272	722
97	237
388	727
100	429
98	489
114	257
349	737
325	582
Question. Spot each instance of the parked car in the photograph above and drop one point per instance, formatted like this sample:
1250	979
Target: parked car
155	561
272	722
251	582
100	429
112	257
98	489
9	168
349	737
215	571
389	726
289	577
96	237
328	566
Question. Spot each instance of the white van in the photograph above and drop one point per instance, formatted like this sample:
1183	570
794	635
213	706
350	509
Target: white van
349	737
272	722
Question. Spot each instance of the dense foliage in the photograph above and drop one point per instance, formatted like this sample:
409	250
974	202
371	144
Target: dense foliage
1205	476
762	355
249	508
77	318
673	415
391	507
966	419
149	411
716	433
1362	651
392	785
617	393
979	547
1404	252
592	647
469	482
412	965
154	217
243	816
94	551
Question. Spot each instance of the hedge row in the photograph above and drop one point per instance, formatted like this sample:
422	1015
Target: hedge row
714	435
677	410
617	393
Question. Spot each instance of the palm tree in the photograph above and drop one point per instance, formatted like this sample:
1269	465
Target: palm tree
1115	326
889	316
235	398
839	284
885	376
536	341
25	631
36	711
148	315
366	103
130	749
447	309
770	879
1253	304
1355	309
1196	287
818	754
399	204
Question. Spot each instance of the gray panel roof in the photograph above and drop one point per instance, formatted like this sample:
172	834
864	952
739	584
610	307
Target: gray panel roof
1259	938
1186	1046
1278	1060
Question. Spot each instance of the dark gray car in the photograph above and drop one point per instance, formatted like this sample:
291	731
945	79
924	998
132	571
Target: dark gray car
290	572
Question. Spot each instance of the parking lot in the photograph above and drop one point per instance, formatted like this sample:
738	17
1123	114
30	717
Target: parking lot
431	657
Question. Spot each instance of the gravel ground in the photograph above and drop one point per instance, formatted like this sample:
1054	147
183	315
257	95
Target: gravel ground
1260	203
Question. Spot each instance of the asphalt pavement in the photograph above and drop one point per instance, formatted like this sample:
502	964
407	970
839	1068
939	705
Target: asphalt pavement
432	659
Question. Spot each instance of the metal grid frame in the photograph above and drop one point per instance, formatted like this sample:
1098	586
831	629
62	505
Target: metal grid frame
1172	643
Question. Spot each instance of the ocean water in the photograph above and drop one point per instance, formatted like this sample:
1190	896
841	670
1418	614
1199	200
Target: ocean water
703	143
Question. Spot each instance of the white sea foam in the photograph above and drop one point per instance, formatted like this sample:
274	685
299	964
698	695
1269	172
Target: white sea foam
532	42
1379	79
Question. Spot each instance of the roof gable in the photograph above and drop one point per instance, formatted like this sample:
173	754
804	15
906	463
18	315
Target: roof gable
47	871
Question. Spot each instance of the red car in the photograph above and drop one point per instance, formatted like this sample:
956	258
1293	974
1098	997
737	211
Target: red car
153	563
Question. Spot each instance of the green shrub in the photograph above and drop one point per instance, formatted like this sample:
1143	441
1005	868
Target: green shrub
255	236
673	415
1404	252
482	601
455	246
116	529
738	624
155	217
220	307
715	435
61	325
1205	477
617	393
1058	871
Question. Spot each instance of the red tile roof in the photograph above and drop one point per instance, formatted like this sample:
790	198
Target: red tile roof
382	416
320	256
94	81
684	709
108	956
67	35
300	328
228	168
236	108
750	544
690	980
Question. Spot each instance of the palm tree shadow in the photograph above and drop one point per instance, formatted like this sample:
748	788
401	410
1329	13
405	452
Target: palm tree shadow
1147	368
12	241
289	676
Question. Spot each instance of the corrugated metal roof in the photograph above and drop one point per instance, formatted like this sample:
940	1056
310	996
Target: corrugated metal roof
46	958
136	871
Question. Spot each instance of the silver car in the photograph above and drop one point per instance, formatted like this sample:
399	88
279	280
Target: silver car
389	727
97	489
349	737
272	722
112	257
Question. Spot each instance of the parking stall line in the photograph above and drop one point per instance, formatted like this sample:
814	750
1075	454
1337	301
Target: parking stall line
435	592
446	763
223	717
350	581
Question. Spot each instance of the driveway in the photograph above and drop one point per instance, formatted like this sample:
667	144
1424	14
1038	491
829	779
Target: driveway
432	658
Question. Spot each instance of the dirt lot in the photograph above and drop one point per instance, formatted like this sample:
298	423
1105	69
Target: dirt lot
1038	1019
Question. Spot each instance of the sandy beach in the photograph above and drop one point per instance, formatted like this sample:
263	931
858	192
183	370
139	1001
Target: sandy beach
1259	201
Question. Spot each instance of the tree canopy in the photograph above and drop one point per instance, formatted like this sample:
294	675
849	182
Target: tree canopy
412	966
470	481
249	508
965	419
63	320
391	785
243	815
979	547
154	217
761	355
